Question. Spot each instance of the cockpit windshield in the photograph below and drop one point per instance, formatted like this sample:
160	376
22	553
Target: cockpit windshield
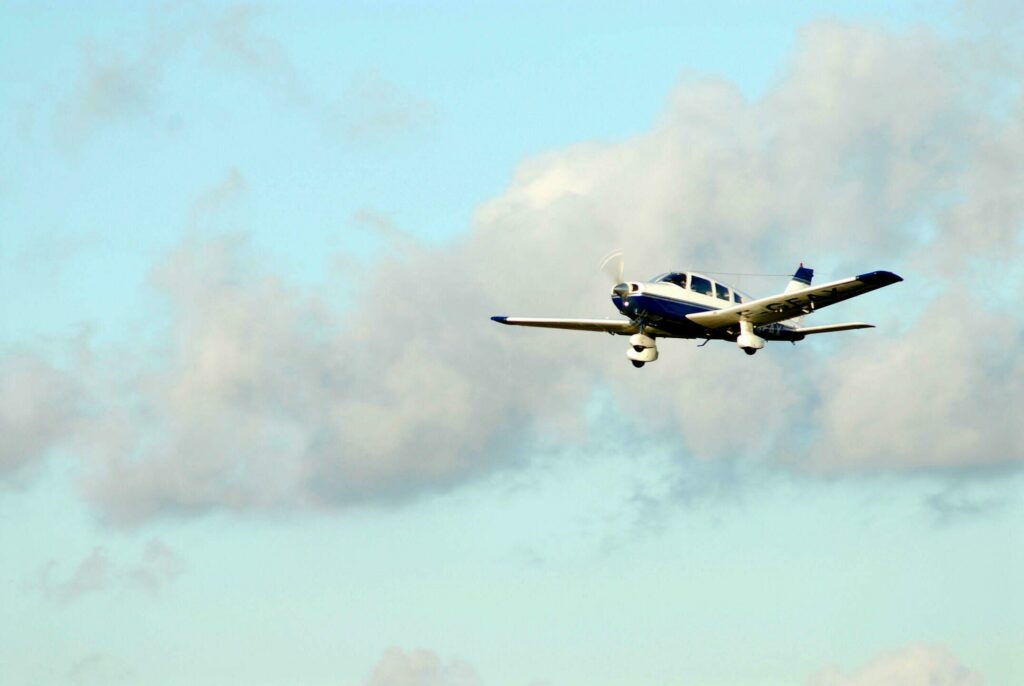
673	277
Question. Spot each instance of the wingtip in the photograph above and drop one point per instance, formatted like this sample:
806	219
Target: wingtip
882	278
501	319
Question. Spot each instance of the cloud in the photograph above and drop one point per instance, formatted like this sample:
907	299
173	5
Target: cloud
420	668
100	668
213	200
93	574
374	108
937	397
40	407
915	665
124	85
871	152
959	500
269	398
258	53
158	566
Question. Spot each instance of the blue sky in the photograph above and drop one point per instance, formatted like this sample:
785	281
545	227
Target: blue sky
257	427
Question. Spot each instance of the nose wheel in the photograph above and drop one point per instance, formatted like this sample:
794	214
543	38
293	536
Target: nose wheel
638	363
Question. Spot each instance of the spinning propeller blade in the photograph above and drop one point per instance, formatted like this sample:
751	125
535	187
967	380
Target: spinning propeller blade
612	265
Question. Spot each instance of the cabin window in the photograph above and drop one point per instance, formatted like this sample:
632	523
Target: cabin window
736	297
699	284
721	291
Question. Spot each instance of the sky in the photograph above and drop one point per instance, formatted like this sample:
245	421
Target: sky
256	426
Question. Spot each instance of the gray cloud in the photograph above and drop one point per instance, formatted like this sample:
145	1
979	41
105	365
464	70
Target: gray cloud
420	668
100	669
117	86
374	108
270	396
958	500
93	574
158	566
236	38
109	91
915	665
40	406
212	201
121	85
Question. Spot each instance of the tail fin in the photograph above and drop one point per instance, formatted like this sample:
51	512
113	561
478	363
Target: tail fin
801	279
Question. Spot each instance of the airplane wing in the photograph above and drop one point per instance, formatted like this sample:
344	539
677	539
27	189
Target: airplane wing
784	306
608	325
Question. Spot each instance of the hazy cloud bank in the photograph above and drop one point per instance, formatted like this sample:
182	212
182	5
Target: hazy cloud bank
876	150
420	668
915	665
158	566
125	84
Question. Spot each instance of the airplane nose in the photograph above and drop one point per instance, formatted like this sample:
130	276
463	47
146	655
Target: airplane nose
621	290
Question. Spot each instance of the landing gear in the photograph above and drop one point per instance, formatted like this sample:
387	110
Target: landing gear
748	341
642	349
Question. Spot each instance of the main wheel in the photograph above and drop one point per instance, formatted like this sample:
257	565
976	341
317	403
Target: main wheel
637	363
750	351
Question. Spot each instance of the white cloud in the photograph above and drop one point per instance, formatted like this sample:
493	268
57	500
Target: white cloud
267	396
946	394
915	665
420	668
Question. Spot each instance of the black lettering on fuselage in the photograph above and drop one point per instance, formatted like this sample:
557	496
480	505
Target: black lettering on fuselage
823	295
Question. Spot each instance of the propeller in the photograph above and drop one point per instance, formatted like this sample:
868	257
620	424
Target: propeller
612	265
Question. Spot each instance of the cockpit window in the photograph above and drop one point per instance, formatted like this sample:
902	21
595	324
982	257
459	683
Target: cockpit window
699	284
662	277
721	291
736	297
674	277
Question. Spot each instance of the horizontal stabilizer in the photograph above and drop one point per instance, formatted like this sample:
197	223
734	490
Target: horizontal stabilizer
829	328
607	325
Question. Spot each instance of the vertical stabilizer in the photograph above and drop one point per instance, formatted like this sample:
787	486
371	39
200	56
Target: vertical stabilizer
801	279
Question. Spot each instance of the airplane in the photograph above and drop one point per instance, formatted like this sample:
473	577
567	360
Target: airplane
695	306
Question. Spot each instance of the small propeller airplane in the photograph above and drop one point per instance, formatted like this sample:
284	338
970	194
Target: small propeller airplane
691	305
